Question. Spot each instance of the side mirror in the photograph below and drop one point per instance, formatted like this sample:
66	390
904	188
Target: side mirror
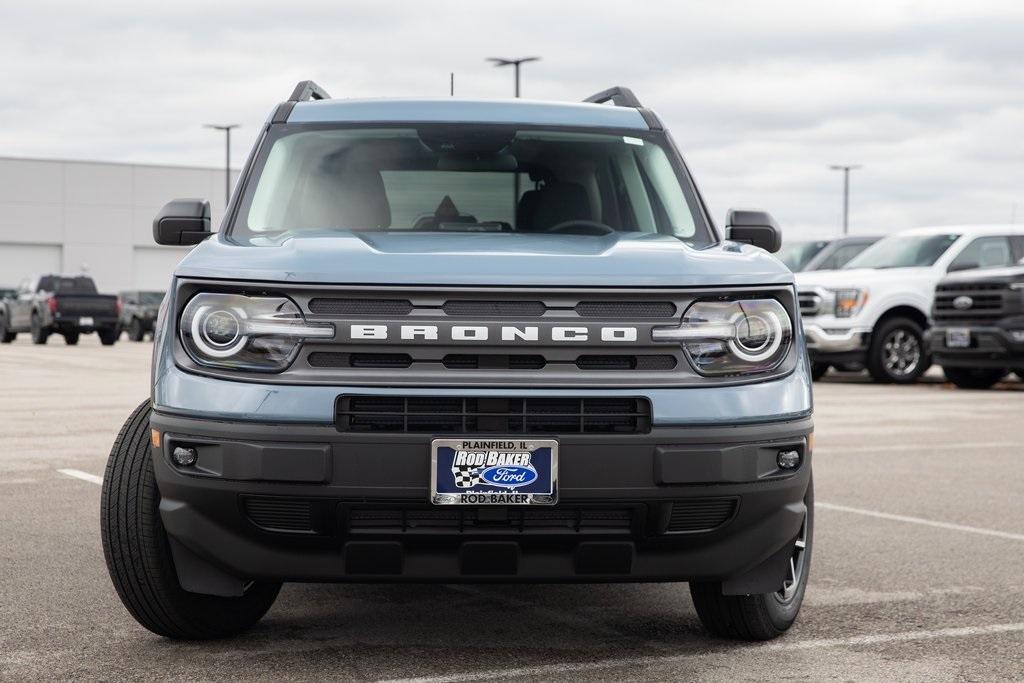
182	221
754	227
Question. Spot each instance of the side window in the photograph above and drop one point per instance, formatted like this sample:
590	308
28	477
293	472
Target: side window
846	253
1018	246
984	252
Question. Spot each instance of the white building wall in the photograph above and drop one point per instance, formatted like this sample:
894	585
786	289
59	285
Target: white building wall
97	217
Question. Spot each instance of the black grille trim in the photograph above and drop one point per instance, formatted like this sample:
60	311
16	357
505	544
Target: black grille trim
291	515
475	415
700	515
360	307
474	361
330	359
546	520
626	309
495	309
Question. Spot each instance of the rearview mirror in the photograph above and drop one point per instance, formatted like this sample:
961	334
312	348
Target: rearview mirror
182	221
754	227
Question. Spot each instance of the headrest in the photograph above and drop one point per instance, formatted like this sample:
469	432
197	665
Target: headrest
558	202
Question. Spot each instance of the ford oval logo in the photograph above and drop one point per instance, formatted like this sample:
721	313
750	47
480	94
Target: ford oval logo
509	476
962	303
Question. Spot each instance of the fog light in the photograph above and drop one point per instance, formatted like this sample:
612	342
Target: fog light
788	460
186	457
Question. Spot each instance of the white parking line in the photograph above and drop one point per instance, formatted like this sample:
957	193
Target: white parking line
630	662
921	520
84	476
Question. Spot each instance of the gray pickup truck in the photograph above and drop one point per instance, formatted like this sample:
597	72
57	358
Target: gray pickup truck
466	341
59	304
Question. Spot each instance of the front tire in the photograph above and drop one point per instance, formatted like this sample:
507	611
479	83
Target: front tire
6	336
897	353
974	378
819	370
135	330
765	616
39	333
139	558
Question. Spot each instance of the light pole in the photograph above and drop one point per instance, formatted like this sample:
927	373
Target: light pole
227	156
845	168
501	61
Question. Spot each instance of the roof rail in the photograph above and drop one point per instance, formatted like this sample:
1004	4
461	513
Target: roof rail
619	96
308	90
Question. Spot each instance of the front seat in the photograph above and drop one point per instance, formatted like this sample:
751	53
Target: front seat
554	203
349	197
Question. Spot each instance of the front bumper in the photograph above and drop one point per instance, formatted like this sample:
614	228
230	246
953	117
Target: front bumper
831	343
293	502
991	347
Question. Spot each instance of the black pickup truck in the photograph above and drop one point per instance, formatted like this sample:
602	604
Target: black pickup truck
59	304
978	332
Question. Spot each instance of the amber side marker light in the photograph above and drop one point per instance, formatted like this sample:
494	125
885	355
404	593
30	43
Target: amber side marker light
154	438
810	442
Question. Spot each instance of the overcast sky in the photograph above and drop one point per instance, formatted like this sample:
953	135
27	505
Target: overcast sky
761	96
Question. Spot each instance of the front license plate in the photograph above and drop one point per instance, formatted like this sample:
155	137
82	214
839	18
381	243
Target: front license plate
958	337
85	322
497	471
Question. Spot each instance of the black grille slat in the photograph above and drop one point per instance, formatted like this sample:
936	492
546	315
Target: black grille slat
360	307
280	514
700	515
495	309
443	414
510	520
330	359
626	309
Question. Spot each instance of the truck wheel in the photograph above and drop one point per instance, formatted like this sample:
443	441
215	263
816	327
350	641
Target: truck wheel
135	331
764	616
108	335
38	332
974	378
1020	373
897	352
139	557
6	337
819	370
71	338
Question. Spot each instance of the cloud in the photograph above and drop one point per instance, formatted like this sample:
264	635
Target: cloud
761	97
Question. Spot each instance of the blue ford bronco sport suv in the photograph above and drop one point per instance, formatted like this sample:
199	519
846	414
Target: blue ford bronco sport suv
466	341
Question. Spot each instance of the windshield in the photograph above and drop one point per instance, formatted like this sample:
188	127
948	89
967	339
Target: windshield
904	251
797	255
466	178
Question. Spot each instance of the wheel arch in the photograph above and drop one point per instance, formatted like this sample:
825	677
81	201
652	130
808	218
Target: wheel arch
903	311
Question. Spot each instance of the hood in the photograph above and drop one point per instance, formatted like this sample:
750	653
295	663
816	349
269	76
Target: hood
510	259
861	277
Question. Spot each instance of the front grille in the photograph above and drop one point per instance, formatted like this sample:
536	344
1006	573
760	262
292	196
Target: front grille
700	515
495	309
280	514
626	309
457	520
987	303
626	362
492	361
446	414
328	359
360	307
810	303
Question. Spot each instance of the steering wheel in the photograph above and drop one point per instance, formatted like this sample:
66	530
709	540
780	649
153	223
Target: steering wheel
581	226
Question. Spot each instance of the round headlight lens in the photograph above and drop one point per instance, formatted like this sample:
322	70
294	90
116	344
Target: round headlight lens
745	336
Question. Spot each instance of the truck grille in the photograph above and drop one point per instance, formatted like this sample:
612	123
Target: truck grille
455	415
810	303
987	302
700	515
572	520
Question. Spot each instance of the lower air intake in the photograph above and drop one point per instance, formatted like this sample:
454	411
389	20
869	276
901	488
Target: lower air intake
700	515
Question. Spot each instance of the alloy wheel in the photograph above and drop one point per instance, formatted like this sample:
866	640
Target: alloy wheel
797	567
901	353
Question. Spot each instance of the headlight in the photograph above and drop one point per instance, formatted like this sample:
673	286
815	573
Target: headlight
849	302
745	336
246	332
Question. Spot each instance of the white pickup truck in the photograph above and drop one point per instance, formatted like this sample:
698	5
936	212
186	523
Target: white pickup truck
874	312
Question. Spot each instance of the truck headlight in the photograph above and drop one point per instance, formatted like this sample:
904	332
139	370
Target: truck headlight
849	302
261	333
744	336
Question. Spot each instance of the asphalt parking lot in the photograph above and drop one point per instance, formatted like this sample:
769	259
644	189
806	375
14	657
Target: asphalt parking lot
918	569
